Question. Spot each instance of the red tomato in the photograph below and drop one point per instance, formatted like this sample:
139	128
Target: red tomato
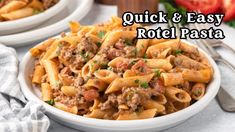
229	9
204	6
91	94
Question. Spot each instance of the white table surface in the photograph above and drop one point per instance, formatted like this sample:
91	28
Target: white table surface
211	119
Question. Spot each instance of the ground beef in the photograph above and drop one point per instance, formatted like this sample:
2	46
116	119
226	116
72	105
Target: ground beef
110	103
67	100
87	45
134	97
157	85
79	81
130	51
120	44
113	53
76	57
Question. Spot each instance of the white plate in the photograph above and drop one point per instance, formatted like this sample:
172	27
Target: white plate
16	26
75	10
97	125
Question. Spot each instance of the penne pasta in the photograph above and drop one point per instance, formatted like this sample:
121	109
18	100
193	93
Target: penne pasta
141	46
96	83
171	79
73	109
21	13
12	6
202	76
106	76
151	104
37	50
198	91
36	4
46	92
176	94
52	71
150	113
39	71
114	36
186	62
154	50
120	83
156	41
69	90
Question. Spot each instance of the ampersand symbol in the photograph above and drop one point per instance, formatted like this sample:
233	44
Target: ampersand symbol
176	17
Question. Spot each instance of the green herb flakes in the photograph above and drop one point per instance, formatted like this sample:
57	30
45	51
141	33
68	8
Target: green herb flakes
145	56
137	81
99	44
144	85
128	42
101	34
177	52
50	102
157	72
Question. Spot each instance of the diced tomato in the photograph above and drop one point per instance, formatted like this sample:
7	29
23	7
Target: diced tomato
122	65
229	9
204	6
90	94
141	68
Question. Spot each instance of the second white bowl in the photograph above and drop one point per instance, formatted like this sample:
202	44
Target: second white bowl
15	26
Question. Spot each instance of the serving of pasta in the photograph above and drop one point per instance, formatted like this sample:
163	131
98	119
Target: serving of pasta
103	71
17	9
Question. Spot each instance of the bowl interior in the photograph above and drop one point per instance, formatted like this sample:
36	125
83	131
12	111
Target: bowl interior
26	68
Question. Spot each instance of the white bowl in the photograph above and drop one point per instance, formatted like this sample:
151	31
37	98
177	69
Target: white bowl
98	125
15	26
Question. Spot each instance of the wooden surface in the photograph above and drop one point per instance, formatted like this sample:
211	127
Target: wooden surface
137	6
107	2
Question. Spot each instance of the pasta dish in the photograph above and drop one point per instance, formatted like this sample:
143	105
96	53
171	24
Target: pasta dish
103	71
16	9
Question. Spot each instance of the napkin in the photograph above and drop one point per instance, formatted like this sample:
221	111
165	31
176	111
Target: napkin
16	113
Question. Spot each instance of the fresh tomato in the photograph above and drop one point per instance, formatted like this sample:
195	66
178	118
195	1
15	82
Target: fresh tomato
229	9
204	6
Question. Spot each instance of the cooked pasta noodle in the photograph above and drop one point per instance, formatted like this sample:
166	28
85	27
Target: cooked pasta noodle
17	9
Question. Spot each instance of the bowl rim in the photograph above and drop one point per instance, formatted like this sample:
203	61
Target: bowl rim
50	12
161	121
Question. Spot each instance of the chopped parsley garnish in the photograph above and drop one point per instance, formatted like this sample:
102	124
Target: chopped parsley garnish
157	72
137	81
177	52
50	102
35	11
128	42
144	85
95	61
110	68
84	56
145	56
132	63
142	45
101	34
103	66
98	44
60	45
198	92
